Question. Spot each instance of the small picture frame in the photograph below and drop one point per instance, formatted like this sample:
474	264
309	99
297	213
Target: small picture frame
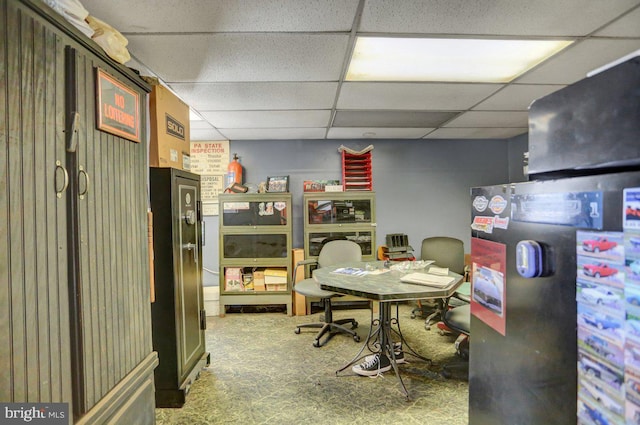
278	184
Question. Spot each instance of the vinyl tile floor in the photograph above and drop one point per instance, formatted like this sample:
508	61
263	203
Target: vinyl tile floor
261	372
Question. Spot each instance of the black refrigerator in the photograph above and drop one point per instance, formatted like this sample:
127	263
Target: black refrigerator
556	266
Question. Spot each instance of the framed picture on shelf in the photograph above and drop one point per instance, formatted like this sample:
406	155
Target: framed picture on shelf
278	184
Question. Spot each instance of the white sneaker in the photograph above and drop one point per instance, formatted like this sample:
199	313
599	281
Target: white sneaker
375	366
397	351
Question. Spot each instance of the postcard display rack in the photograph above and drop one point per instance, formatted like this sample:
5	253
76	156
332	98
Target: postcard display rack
255	250
330	215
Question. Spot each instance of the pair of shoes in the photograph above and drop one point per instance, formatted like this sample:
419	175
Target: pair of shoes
377	364
397	351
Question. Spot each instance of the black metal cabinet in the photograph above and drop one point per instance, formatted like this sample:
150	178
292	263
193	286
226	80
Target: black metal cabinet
178	311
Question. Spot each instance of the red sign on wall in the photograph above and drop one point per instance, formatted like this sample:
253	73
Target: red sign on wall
118	109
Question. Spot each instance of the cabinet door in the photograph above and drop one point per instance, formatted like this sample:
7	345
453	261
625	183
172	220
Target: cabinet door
188	288
109	212
272	212
34	320
338	211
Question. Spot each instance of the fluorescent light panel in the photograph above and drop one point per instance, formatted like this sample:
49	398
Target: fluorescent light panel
443	59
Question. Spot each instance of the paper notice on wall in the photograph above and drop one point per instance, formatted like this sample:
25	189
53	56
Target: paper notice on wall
210	160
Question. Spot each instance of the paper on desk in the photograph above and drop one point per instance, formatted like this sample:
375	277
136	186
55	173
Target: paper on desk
427	279
440	271
350	271
378	271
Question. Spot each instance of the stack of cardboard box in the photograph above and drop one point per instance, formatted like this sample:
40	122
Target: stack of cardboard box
170	138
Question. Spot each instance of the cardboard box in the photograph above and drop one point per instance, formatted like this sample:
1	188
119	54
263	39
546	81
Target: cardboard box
299	301
233	279
169	121
275	276
258	280
276	286
275	279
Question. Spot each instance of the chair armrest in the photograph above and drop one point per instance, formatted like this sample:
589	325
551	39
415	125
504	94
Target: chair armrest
302	263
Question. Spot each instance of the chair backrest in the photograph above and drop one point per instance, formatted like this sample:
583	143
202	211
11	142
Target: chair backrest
445	251
340	251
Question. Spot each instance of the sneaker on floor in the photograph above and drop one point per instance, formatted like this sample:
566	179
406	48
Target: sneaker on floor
397	350
375	366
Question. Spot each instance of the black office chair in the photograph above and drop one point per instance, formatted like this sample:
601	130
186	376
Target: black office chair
446	252
332	252
458	319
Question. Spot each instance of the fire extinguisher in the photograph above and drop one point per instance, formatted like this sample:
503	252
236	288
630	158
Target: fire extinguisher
234	171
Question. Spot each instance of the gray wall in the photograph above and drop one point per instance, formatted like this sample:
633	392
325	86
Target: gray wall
422	187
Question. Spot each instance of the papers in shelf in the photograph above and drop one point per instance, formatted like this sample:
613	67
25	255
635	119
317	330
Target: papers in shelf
427	279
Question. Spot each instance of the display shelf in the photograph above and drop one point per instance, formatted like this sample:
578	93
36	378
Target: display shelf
255	237
331	215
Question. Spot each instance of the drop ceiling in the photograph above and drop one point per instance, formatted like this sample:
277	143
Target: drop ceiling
274	69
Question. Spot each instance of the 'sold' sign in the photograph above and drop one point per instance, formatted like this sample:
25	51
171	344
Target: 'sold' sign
118	108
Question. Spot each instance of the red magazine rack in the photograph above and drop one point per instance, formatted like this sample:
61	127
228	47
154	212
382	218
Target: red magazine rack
356	171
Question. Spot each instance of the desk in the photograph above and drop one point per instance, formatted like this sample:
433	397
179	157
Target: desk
384	288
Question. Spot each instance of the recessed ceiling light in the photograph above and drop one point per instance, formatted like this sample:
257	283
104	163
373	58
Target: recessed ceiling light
446	59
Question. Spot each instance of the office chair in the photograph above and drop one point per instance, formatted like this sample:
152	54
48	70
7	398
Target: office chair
332	252
446	252
458	319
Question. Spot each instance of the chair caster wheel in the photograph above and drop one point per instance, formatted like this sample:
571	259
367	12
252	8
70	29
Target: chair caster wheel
297	331
316	343
355	325
427	327
446	373
413	315
356	338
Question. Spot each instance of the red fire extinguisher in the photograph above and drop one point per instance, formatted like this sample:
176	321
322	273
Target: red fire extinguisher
234	171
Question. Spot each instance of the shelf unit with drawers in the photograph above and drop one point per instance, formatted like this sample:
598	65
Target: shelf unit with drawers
255	239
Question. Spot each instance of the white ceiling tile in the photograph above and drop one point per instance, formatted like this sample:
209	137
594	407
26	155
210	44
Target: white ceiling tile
516	97
199	134
417	96
508	119
268	119
200	125
627	26
242	57
396	119
573	63
224	15
256	96
491	17
475	133
273	133
376	133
